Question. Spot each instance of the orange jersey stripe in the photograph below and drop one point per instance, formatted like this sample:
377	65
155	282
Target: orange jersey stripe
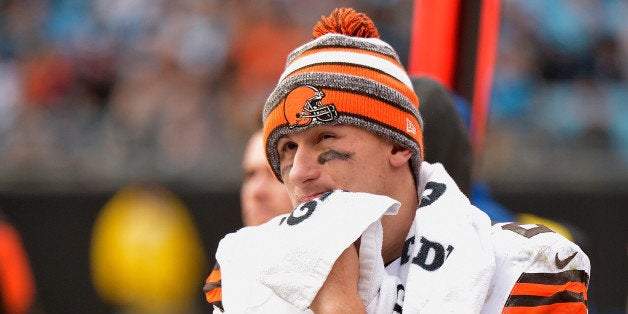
548	290
214	295
575	308
214	276
360	71
213	287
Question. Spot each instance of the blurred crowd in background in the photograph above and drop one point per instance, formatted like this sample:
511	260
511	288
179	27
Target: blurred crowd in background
102	94
97	93
559	102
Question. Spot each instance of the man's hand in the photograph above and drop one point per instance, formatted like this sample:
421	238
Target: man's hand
339	293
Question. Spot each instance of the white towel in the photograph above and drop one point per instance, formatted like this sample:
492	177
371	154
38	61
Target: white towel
448	223
448	262
292	255
448	265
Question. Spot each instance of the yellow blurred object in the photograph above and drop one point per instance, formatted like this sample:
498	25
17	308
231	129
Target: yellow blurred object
557	227
146	253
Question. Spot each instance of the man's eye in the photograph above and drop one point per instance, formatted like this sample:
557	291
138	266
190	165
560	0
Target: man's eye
326	136
289	146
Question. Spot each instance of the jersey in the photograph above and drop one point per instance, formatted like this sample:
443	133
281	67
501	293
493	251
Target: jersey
495	268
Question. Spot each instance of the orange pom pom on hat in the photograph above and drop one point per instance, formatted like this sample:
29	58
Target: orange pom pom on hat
345	75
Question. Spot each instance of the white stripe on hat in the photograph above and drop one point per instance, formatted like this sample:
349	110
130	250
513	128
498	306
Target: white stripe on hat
360	59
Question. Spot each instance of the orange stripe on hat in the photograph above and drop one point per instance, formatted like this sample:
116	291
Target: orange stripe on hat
354	104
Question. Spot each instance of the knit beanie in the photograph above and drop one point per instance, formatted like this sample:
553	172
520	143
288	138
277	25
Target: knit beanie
344	75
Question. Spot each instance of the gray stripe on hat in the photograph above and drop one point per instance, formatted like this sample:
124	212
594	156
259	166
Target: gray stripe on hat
338	40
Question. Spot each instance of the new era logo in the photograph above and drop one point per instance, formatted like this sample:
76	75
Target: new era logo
410	128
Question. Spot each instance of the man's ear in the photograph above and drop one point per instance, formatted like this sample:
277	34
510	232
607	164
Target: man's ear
399	155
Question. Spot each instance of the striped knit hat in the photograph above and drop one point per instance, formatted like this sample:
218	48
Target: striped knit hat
345	75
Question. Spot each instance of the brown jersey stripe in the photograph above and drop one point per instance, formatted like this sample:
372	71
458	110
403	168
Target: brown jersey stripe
560	278
532	300
575	308
211	286
547	290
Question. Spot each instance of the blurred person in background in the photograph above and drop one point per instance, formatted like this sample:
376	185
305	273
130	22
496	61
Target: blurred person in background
262	196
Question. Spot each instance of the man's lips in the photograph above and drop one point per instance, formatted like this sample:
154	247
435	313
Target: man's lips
309	198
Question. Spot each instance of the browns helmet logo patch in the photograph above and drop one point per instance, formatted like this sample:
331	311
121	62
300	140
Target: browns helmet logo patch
304	105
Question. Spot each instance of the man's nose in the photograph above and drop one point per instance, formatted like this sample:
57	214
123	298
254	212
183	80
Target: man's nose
304	166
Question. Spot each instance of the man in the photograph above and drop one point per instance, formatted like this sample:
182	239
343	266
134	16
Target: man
376	229
262	197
